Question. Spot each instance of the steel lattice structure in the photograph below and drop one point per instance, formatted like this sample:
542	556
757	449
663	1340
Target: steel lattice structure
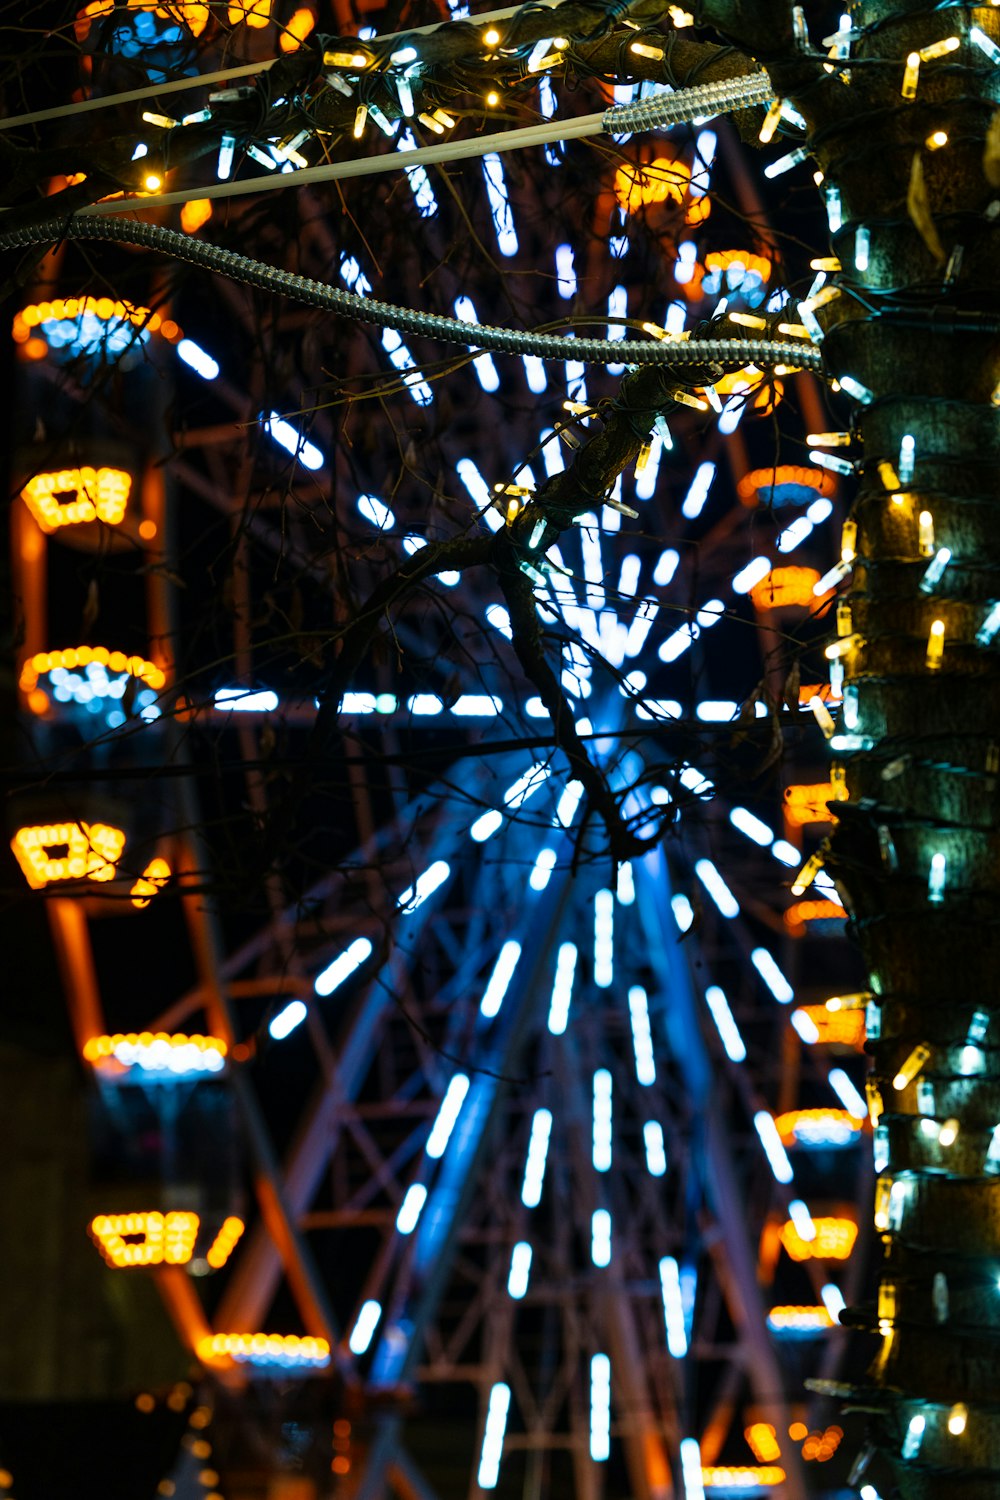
530	1193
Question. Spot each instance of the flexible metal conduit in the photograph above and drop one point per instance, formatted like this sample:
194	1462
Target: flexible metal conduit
731	353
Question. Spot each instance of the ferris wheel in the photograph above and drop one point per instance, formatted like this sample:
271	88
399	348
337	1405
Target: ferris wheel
541	1168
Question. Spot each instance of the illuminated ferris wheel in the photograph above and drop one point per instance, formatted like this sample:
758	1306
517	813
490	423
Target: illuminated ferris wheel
540	1167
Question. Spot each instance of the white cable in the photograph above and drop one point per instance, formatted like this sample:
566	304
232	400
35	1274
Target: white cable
133	96
663	111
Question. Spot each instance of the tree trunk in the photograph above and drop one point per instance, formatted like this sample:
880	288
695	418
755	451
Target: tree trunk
918	734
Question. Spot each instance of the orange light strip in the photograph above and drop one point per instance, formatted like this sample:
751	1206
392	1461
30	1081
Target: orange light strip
741	1477
789	1319
785	588
92	852
834	1240
145	1239
808	804
802	912
817	1127
224	1243
721	260
81	656
285	1349
756	487
99	495
105	308
844	1028
158	1052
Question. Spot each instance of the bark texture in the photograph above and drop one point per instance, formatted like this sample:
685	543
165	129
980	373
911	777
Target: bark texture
920	741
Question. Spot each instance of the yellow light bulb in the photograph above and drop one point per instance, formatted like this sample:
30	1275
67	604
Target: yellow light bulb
152	183
492	98
912	1066
491	36
925	540
936	140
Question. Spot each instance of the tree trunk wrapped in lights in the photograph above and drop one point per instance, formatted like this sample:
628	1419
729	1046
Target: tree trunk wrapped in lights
914	338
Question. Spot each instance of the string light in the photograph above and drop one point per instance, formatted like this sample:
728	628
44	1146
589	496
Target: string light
145	1239
170	1054
286	1351
97	494
92	851
912	1066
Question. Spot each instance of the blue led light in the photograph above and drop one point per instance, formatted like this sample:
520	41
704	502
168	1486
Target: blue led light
447	1115
342	967
520	1267
285	1022
293	442
411	1208
364	1327
194	356
496	190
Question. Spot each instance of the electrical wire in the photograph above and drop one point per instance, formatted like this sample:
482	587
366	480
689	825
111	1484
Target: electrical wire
660	112
154	91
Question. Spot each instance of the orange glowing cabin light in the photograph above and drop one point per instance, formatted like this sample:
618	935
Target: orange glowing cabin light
818	1128
654	182
807	804
296	30
71	496
834	1240
763	1441
722	260
793	1319
36	314
284	1349
195	213
193	14
256	13
762	391
784	484
838	1028
784	588
821	690
222	1246
153	878
821	1446
115	662
59	182
698	210
145	1239
157	1052
91	852
89	13
801	913
736	1477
